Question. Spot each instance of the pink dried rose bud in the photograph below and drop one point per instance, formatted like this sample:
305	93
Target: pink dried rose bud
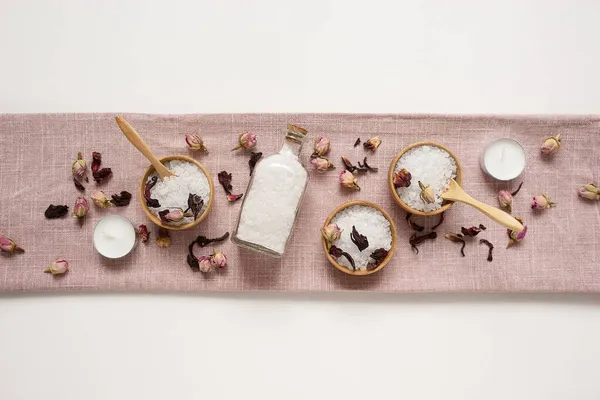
551	145
505	199
589	192
57	267
81	208
7	245
195	142
427	194
402	178
331	233
321	164
541	202
142	230
100	200
218	260
205	264
79	167
348	180
174	215
372	143
246	140
514	236
322	145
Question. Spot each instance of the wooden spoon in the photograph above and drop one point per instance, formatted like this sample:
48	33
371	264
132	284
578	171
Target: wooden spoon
139	144
456	193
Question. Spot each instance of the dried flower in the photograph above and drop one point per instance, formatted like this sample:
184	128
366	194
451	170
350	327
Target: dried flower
490	246
195	142
57	267
7	245
246	140
378	256
415	240
142	230
254	157
56	211
348	180
78	185
225	181
357	142
365	166
150	202
337	253
195	204
233	197
100	200
541	202
205	264
122	199
99	174
402	178
331	233
505	198
203	241
427	194
218	260
413	224
173	215
79	167
322	145
321	164
163	239
589	192
372	143
470	232
551	145
81	208
359	240
457	238
514	236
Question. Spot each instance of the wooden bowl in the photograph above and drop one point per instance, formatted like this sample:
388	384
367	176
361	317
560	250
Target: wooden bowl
342	268
402	204
153	216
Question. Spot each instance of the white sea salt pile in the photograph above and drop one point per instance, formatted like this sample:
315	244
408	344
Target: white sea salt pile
432	166
173	192
369	222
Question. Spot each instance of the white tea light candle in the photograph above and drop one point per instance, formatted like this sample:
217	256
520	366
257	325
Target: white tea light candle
114	236
503	159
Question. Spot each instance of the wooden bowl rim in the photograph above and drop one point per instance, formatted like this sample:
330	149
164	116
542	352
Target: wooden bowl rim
157	220
393	189
392	228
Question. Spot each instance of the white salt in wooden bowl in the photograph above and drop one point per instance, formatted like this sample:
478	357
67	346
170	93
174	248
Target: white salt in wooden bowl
397	198
347	270
153	217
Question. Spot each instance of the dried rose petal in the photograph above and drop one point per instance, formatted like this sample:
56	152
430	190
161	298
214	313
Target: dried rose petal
56	211
142	230
121	200
150	202
195	204
234	197
99	174
359	240
471	232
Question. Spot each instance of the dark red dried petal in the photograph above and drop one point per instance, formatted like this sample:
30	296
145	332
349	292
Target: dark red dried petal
78	185
225	181
359	240
234	197
144	233
121	200
150	202
56	211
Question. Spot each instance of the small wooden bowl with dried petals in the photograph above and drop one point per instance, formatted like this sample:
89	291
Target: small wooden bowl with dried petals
371	220
153	217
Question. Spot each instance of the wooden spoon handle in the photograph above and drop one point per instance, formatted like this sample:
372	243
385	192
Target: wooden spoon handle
139	144
494	213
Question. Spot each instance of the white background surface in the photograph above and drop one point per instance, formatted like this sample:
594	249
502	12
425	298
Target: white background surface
314	56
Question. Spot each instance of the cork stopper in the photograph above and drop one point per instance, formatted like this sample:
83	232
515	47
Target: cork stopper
296	129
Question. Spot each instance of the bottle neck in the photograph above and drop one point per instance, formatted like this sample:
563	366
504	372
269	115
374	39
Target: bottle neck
291	147
293	140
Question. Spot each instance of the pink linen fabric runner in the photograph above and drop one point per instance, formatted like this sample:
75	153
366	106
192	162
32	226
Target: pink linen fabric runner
560	253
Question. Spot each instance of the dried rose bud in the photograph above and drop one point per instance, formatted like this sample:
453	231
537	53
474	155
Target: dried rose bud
505	199
174	215
142	230
589	192
100	200
331	233
7	245
541	202
402	178
162	238
427	194
551	145
57	267
322	145
514	236
321	164
205	264
372	143
246	140
81	208
218	260
79	167
195	142
348	180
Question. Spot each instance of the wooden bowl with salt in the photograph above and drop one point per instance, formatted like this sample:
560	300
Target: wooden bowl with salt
446	204
360	272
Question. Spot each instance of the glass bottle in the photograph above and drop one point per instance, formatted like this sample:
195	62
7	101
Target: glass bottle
273	198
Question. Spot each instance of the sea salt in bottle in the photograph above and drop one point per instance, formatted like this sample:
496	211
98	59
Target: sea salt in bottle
273	197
